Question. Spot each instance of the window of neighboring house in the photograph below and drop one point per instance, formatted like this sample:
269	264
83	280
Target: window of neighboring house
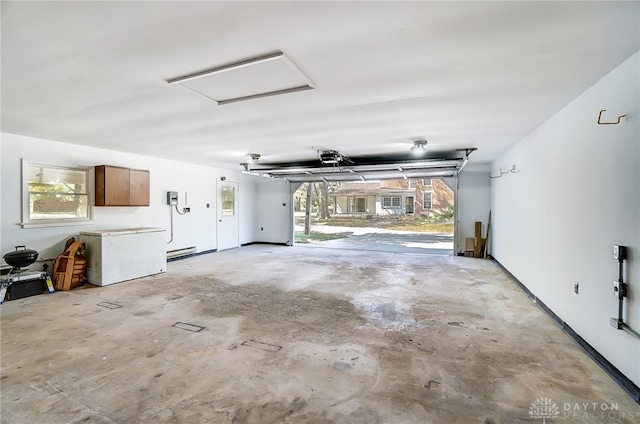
427	182
390	202
412	183
54	195
361	204
427	200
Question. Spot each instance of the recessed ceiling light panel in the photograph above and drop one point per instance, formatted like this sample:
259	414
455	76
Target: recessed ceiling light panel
253	78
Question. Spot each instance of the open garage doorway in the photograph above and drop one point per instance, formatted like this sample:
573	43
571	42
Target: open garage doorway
406	215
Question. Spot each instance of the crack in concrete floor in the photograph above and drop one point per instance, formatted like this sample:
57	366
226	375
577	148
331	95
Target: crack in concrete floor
295	335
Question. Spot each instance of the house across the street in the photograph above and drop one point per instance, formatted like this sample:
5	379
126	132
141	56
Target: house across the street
426	196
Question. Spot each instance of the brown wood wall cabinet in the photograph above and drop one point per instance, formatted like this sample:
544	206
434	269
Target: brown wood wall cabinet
116	186
139	187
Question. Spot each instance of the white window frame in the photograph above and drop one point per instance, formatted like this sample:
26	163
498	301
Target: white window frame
412	183
28	222
424	202
233	201
430	182
391	202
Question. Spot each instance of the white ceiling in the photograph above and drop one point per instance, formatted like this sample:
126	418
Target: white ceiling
460	74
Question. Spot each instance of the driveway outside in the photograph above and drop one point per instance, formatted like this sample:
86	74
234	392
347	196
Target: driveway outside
379	239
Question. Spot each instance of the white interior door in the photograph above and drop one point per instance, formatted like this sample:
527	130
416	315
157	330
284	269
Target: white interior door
228	222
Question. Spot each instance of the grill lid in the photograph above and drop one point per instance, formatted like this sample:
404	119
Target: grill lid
21	257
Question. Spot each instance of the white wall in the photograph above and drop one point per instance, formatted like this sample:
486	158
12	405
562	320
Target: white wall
198	228
248	205
274	211
473	202
578	194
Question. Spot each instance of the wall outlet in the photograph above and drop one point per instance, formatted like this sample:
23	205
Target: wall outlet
620	289
576	288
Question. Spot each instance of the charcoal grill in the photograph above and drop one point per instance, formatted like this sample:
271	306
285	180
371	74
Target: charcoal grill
21	282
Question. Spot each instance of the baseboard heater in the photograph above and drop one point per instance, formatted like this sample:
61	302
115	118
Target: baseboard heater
178	253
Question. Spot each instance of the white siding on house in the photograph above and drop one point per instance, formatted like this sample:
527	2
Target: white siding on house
341	204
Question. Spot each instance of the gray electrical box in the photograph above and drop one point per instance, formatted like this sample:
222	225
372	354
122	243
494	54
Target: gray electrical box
172	197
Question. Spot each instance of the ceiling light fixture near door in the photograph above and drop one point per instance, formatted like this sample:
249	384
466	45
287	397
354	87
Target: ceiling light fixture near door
419	147
262	76
253	157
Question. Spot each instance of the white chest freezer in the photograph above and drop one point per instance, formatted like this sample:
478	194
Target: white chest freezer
124	254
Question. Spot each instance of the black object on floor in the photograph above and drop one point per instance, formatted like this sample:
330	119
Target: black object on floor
21	289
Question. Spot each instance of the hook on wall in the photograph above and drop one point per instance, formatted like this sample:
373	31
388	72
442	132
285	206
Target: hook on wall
609	123
510	170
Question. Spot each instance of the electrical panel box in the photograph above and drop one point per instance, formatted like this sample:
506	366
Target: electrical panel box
172	197
619	252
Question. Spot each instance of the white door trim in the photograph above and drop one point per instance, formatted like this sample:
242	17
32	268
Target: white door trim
227	228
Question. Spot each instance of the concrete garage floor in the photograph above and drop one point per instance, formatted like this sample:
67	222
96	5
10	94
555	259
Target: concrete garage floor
298	335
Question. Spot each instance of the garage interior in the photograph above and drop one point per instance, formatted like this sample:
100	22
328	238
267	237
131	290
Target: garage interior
218	110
